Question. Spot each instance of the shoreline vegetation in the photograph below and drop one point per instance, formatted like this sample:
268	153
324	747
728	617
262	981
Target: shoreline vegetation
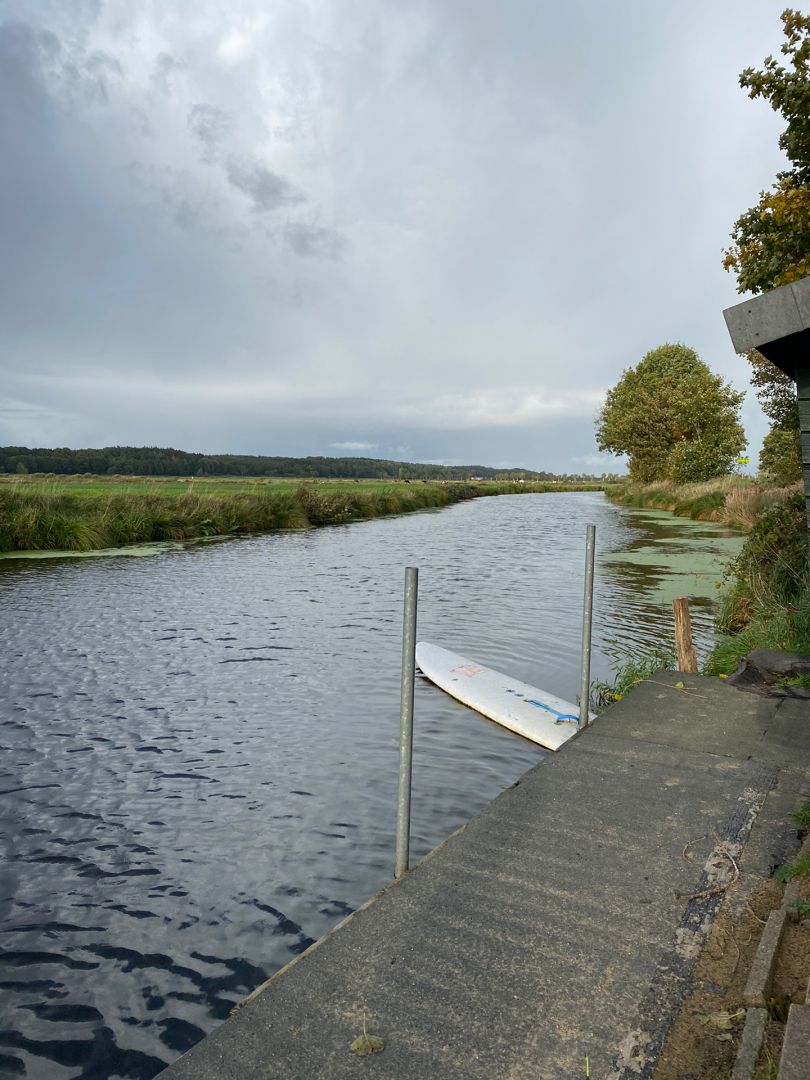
80	514
766	602
734	501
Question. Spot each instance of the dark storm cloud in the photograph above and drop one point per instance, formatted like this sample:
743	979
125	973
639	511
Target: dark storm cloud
266	190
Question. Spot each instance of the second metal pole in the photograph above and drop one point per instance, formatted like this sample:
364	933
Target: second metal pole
587	623
406	722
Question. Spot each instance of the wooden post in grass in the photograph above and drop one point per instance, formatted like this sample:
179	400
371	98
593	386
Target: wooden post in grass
685	650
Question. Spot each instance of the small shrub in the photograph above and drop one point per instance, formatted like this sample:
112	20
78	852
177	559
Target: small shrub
773	561
634	670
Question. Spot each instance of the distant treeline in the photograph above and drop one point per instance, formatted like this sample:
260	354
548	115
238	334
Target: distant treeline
157	461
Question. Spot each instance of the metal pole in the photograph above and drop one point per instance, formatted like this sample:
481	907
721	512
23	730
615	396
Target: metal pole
406	721
587	623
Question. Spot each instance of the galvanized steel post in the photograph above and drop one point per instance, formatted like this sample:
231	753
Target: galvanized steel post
406	721
587	623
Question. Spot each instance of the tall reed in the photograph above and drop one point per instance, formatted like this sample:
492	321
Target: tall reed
736	501
46	517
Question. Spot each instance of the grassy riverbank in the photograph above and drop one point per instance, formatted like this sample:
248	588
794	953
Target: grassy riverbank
77	514
767	599
767	604
735	501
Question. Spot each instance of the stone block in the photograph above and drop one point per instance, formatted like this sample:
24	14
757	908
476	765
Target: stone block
758	987
794	1063
750	1044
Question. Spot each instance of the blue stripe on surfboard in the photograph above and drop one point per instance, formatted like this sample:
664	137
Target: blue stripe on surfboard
562	717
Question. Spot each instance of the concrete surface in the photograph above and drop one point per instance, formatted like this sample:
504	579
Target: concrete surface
760	977
802	376
750	1044
546	929
776	323
794	1063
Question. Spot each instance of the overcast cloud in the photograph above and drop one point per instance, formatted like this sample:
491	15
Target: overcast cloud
435	230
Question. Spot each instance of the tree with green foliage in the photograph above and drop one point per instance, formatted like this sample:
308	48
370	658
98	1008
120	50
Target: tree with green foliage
771	240
673	418
780	459
164	461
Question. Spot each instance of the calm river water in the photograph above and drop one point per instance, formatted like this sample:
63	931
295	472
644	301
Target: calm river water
200	748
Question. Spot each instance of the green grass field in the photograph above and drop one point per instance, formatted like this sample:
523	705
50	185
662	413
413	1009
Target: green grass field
102	486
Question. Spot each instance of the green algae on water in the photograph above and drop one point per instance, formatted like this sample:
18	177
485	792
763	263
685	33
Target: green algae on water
155	547
692	561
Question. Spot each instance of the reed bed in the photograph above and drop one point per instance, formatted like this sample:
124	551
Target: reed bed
735	501
48	517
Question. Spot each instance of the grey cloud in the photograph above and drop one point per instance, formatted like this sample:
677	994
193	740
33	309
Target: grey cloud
515	198
36	60
354	445
185	216
24	423
100	73
314	241
23	54
23	42
266	190
10	408
210	125
164	70
172	190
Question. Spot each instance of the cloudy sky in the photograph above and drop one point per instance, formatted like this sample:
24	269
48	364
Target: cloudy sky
435	230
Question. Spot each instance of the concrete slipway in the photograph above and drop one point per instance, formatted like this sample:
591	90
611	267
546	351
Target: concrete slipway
545	930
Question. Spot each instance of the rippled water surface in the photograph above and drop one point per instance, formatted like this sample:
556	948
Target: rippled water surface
199	749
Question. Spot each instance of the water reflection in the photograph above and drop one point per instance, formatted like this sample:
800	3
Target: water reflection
200	748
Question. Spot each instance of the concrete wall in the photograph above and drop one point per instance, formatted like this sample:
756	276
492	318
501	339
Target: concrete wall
803	391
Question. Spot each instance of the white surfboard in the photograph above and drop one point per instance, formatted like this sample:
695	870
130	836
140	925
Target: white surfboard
524	709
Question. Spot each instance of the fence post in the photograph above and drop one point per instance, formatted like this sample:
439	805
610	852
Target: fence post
587	624
406	722
687	657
